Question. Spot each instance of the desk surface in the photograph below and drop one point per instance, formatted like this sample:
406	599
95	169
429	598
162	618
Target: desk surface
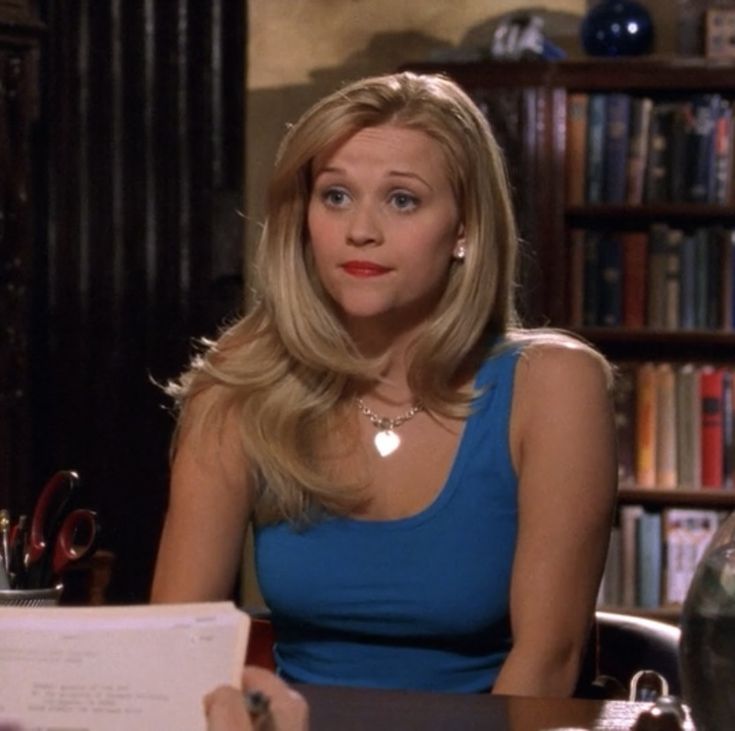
350	709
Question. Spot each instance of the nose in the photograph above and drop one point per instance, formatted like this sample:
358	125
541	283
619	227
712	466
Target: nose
364	227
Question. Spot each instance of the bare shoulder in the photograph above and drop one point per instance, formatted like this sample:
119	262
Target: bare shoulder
558	361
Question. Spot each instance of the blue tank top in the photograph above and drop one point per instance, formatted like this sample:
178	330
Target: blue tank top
413	603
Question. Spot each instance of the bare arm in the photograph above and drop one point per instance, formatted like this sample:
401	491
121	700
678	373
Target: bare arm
209	509
563	444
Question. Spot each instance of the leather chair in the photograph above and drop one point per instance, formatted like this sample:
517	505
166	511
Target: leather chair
621	645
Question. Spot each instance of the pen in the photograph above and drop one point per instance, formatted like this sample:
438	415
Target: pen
4	536
4	550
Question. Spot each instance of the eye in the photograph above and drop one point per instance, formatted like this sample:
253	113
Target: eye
404	201
335	197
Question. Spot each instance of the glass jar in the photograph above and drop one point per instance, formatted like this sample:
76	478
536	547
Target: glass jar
707	652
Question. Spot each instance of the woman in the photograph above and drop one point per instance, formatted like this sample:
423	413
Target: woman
431	485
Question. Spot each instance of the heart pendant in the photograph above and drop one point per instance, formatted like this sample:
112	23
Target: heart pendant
386	442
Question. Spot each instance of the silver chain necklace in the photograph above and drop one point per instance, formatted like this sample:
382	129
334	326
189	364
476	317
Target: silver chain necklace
386	441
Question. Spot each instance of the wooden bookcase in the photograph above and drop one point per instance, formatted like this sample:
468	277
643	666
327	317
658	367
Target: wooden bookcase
527	105
19	55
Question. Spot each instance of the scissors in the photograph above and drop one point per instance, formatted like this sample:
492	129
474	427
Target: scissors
58	536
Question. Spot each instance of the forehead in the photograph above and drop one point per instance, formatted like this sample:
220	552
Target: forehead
390	145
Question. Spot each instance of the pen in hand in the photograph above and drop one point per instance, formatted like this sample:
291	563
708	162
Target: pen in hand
4	550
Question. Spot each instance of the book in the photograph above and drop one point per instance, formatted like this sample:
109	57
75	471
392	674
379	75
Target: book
113	668
576	148
624	409
610	286
591	287
596	134
646	422
728	440
728	281
576	276
640	122
649	542
666	418
688	282
611	588
699	114
687	532
711	391
723	153
688	427
657	187
615	165
672	279
635	274
657	276
629	517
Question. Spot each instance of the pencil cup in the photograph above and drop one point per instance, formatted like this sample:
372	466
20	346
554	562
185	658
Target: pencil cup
31	597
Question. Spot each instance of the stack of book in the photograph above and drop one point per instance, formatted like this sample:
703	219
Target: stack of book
628	149
653	555
675	426
663	278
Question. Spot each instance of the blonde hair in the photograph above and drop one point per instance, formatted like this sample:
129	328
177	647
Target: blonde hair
287	370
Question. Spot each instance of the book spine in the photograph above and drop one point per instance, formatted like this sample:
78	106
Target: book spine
657	184
728	441
624	404
640	123
576	150
610	312
710	389
596	126
687	282
699	116
646	422
657	265
617	128
650	542
723	153
576	277
672	279
635	272
666	416
688	431
629	517
591	308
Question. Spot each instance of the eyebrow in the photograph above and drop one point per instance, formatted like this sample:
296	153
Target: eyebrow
391	174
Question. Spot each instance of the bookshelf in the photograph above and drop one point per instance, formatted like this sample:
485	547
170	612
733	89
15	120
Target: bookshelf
533	107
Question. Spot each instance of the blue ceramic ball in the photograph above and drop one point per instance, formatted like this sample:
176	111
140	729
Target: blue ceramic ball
617	28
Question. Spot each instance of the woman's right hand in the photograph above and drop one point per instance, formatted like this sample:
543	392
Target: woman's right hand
226	710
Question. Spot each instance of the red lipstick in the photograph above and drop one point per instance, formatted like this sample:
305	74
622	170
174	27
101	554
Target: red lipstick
364	269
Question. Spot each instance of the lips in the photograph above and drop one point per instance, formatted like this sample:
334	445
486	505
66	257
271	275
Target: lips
364	269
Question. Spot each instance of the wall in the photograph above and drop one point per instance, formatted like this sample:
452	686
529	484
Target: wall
298	50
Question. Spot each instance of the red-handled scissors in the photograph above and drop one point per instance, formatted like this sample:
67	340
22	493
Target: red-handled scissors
58	536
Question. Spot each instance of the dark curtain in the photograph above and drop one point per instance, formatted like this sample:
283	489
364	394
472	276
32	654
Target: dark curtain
139	171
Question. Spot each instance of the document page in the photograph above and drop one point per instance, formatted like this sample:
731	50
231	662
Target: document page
130	668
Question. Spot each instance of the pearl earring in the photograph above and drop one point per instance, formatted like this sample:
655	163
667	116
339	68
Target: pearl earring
460	253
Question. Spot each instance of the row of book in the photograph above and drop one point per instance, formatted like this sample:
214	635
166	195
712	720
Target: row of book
675	426
653	555
662	278
630	150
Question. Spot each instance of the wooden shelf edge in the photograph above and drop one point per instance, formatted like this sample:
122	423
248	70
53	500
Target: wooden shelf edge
704	498
668	614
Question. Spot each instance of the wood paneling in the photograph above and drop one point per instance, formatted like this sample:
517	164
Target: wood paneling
139	184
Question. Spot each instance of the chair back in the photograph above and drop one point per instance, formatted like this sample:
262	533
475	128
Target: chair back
621	645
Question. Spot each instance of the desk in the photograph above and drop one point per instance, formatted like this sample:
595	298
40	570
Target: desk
350	709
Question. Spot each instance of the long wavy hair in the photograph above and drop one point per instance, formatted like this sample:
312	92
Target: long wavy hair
287	372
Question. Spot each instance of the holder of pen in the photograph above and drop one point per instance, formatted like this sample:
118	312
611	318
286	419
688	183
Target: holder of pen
48	597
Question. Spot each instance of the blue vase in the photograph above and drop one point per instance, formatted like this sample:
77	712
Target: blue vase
617	28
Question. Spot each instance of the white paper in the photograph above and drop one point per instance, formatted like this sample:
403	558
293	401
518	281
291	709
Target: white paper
133	668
